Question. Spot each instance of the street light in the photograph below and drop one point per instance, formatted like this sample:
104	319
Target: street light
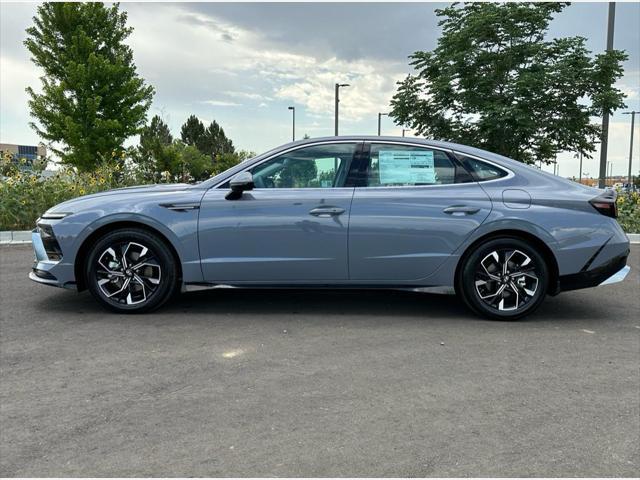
380	121
633	118
338	85
609	172
293	134
405	130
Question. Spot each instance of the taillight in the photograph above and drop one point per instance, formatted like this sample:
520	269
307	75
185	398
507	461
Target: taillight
606	204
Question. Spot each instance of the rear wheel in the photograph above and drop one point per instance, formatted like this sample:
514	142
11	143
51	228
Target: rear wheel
504	279
131	270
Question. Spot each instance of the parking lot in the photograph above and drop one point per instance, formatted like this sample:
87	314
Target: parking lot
302	383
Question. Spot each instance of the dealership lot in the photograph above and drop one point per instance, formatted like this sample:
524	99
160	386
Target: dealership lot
281	383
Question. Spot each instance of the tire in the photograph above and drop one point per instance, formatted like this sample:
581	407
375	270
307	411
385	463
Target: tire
487	287
125	288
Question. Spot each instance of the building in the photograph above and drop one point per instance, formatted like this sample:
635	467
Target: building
24	156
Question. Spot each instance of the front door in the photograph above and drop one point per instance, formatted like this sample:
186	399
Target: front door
412	209
291	228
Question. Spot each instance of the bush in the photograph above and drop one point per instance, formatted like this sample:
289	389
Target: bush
24	196
629	211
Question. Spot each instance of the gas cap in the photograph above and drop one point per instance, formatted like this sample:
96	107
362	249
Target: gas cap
516	198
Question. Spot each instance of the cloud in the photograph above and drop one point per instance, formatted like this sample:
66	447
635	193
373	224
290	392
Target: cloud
243	64
267	72
221	103
247	95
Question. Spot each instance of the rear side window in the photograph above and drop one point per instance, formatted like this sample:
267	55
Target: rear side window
403	165
482	171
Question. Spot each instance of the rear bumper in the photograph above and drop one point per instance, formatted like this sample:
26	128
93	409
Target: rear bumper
615	270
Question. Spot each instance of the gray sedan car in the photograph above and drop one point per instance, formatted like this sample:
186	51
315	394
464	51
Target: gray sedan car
342	212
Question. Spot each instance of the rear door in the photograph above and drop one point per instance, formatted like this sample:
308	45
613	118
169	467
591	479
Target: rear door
412	207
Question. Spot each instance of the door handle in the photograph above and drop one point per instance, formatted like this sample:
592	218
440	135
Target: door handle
325	212
461	210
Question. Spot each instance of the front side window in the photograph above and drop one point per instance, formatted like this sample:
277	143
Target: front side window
405	165
317	166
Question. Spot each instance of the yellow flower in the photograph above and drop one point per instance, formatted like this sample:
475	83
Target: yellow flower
117	169
23	161
23	202
122	155
101	180
113	153
82	191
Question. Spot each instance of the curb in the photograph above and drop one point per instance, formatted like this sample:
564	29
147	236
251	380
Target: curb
19	237
23	237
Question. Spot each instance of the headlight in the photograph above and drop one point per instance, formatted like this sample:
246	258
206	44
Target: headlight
54	215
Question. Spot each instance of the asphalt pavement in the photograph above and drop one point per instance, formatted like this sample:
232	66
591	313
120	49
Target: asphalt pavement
316	383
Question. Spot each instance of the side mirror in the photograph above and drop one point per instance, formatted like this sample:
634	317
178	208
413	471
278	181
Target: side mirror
240	183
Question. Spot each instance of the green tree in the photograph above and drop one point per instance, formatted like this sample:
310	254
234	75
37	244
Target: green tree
192	131
210	141
157	132
214	141
92	97
494	82
190	164
152	156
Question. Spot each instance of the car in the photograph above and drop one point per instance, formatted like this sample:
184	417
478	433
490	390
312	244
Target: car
342	212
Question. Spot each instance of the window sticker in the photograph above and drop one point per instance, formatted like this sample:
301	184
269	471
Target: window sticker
406	167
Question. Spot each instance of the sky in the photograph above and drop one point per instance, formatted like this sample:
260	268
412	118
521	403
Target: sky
243	64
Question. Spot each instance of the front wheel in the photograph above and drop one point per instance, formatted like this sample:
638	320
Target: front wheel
131	270
503	279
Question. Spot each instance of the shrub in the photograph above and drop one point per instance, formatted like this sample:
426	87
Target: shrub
24	196
629	211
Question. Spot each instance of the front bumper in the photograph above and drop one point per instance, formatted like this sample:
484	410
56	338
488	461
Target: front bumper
614	271
41	271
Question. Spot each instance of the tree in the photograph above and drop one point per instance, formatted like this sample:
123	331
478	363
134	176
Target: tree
152	156
215	142
92	97
494	82
192	131
210	141
157	132
191	163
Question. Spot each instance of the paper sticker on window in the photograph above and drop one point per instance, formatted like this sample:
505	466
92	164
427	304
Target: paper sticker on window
406	167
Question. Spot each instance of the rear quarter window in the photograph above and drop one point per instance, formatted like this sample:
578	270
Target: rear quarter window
482	171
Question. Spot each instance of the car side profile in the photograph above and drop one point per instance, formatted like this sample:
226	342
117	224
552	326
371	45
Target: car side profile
342	212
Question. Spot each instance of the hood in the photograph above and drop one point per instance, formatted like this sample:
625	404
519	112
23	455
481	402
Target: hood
72	204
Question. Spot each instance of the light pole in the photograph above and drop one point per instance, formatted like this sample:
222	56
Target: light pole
633	117
293	134
579	155
609	172
338	85
405	130
605	118
380	121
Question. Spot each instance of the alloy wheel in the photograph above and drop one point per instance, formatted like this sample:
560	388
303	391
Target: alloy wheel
507	279
128	273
